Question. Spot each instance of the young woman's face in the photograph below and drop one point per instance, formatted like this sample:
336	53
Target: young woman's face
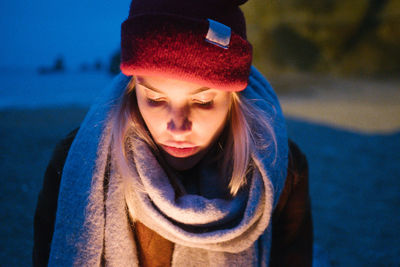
183	118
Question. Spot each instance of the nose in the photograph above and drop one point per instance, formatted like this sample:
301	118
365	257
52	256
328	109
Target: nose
179	122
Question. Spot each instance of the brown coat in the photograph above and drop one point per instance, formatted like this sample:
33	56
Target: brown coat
292	233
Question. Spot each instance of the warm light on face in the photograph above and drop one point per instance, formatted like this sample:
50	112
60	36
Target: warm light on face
183	118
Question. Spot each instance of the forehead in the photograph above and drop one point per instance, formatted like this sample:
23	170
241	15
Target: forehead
166	86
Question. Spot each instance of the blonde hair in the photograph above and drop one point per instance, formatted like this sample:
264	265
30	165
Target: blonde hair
238	138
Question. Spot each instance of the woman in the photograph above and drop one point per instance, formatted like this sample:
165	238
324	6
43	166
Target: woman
183	161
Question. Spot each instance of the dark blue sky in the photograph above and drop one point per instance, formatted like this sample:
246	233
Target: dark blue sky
34	33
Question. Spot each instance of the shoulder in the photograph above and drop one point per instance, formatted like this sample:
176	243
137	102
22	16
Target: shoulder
297	165
52	177
61	150
46	206
292	234
296	179
53	174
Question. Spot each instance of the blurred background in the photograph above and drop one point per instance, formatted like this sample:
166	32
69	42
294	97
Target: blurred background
334	64
358	37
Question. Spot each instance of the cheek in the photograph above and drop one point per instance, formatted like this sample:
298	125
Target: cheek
210	124
152	119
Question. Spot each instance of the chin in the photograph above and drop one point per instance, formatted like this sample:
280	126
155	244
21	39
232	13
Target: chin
182	164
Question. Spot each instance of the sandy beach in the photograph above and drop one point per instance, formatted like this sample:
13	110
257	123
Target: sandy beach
362	105
353	159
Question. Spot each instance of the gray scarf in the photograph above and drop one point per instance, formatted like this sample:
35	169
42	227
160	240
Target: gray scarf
92	224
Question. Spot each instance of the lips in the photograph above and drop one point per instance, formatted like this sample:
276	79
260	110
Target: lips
180	151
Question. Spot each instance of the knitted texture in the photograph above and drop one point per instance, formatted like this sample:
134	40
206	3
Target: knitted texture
168	39
92	223
175	47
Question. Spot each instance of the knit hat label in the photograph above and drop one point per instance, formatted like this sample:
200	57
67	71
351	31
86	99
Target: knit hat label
218	34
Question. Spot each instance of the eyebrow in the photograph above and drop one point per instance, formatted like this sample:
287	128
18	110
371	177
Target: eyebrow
148	86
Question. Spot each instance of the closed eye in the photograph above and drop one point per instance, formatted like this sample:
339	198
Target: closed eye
161	101
204	104
155	102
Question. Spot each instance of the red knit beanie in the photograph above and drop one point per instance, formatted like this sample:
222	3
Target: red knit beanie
199	41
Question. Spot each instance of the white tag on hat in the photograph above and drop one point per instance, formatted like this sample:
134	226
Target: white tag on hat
218	34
